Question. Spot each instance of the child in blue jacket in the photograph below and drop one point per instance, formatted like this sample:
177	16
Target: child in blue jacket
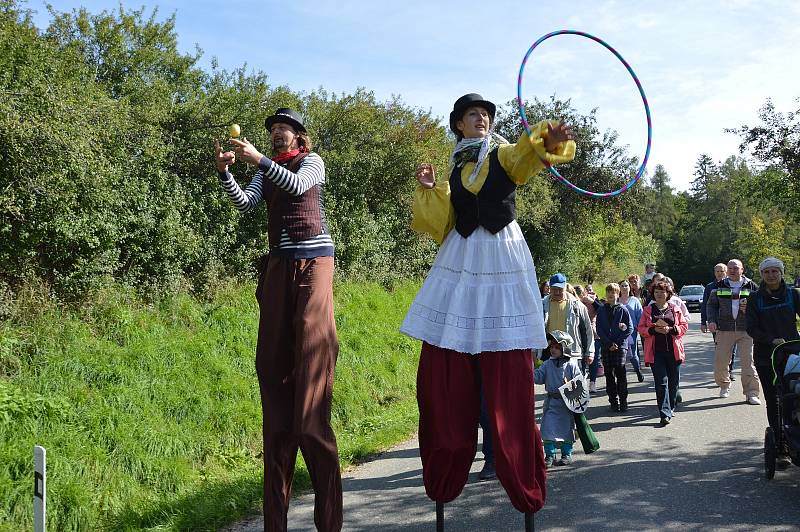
614	326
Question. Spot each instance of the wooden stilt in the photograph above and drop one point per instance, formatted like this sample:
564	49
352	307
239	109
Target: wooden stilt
439	517
528	522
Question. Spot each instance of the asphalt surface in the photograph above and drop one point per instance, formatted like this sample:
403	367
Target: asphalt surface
702	472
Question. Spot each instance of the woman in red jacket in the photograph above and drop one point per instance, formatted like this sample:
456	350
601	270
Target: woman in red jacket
662	326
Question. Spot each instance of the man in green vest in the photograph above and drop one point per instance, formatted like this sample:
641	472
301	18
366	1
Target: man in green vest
726	309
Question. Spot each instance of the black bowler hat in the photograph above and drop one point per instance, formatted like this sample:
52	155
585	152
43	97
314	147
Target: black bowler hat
469	100
286	116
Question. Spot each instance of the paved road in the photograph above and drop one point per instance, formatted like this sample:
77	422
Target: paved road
702	472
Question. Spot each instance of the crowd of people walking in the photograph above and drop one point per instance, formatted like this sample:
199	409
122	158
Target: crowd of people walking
625	314
744	319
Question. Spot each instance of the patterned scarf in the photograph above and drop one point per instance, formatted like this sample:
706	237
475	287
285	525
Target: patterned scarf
474	150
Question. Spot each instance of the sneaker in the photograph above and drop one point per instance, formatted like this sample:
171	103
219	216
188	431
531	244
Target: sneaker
614	407
592	387
754	400
678	398
488	472
565	460
639	375
731	376
724	392
548	460
665	420
623	406
782	464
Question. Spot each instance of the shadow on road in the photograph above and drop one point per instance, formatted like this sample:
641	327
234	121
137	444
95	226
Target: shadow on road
626	490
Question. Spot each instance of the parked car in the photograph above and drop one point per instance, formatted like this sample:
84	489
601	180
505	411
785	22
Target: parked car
692	295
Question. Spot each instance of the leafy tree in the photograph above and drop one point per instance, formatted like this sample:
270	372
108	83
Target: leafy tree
775	143
611	251
759	241
105	136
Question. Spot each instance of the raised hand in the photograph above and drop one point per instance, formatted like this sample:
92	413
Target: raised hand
223	159
246	151
426	175
557	134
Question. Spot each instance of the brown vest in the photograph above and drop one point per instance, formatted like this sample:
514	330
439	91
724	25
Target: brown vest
301	216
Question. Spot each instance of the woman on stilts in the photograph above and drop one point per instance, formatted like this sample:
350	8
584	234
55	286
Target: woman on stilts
480	302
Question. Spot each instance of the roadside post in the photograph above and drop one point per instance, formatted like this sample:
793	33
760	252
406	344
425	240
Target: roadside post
39	488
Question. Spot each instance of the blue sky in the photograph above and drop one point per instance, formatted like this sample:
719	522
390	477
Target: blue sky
705	66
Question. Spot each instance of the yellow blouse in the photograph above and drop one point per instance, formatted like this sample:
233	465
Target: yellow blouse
432	210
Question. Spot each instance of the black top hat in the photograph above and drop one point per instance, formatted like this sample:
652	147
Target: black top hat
286	116
461	105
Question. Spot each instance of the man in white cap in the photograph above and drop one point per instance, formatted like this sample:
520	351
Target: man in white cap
771	315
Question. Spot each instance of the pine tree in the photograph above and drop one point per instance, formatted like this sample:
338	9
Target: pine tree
706	172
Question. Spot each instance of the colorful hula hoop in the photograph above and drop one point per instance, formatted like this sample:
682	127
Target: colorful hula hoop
527	127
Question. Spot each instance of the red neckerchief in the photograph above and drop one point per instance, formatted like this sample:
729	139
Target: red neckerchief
286	156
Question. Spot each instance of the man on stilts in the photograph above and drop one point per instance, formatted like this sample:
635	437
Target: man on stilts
297	342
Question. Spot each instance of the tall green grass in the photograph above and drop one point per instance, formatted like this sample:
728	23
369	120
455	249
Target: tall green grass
151	413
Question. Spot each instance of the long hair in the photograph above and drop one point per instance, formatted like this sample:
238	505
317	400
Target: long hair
304	142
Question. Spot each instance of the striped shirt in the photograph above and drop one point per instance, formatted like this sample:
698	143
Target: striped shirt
310	174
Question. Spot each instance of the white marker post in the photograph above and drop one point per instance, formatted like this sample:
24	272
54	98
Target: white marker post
39	488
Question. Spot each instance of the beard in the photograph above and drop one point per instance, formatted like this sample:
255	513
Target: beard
278	142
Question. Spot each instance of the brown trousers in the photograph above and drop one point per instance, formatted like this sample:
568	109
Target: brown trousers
295	360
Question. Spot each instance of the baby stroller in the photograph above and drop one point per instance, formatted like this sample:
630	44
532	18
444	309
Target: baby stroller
786	442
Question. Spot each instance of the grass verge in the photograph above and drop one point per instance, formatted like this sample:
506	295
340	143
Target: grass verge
151	413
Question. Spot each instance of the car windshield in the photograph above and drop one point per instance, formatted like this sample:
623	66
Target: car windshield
691	291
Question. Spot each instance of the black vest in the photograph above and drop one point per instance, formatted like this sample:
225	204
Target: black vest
493	208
